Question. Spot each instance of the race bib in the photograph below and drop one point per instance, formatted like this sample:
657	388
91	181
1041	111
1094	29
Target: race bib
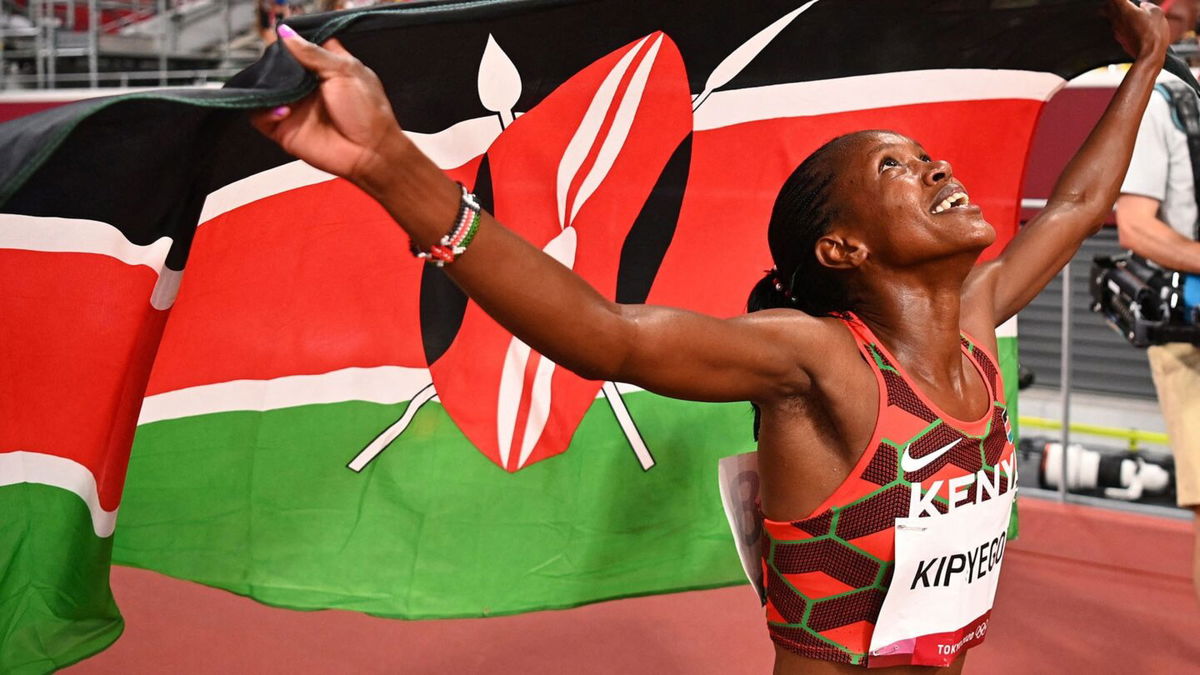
738	479
943	586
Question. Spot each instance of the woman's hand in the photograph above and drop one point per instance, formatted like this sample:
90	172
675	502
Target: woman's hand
346	126
1141	29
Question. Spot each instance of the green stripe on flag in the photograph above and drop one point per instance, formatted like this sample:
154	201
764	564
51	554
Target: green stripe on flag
55	604
262	504
1009	365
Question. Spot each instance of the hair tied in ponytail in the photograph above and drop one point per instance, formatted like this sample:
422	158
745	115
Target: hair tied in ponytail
783	290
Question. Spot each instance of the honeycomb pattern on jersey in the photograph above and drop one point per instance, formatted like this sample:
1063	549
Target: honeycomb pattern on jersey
833	612
899	394
790	605
817	525
825	541
809	644
875	514
881	470
849	566
993	445
988	368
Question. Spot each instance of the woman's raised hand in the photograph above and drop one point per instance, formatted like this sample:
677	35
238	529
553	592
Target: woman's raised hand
346	125
1141	29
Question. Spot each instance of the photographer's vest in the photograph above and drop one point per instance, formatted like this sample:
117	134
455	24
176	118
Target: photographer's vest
1185	113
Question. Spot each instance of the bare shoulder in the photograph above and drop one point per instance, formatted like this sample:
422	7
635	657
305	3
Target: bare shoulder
819	344
796	328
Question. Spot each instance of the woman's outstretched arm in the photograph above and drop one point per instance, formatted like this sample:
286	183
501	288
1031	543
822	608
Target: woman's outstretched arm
1091	181
347	128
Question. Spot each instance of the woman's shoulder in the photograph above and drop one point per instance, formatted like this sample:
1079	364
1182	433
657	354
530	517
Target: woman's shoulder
818	340
796	321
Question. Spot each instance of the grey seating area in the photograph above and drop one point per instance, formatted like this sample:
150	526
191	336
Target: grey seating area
1103	362
53	44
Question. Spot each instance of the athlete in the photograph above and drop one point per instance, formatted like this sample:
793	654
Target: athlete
876	324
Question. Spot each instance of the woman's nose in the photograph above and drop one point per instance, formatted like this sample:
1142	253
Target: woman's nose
938	171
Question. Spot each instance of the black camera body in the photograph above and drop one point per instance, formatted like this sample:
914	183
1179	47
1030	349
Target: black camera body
1143	301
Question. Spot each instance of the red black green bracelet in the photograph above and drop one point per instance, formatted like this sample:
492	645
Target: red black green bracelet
455	242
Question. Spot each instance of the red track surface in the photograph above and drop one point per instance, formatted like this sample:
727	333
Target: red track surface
1084	591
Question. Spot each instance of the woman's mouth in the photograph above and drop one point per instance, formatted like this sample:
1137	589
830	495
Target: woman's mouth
954	200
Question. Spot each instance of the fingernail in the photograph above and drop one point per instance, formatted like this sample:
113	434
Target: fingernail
286	31
281	111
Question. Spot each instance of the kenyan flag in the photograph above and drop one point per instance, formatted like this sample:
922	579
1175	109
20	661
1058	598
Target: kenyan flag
322	421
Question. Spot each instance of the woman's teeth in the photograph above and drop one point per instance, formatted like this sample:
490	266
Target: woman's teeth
956	199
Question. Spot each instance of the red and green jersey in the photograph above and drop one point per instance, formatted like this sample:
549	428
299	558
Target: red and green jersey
826	576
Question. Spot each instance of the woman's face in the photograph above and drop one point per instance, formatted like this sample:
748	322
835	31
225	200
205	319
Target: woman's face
906	208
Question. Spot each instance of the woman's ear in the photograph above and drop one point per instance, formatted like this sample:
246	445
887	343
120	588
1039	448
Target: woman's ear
839	252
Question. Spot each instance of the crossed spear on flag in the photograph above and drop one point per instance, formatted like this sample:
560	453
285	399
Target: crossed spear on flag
499	86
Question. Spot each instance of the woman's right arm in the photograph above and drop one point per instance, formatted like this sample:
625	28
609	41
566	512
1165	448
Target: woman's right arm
347	128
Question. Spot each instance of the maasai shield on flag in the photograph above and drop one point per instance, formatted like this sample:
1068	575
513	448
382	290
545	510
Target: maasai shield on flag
325	422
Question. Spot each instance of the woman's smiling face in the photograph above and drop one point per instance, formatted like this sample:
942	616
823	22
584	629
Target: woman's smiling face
903	206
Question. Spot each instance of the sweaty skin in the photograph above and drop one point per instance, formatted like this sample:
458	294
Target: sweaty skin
913	274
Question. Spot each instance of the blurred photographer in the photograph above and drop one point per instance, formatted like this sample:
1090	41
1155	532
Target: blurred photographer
1158	219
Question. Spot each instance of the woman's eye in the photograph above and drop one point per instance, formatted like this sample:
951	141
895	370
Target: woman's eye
887	163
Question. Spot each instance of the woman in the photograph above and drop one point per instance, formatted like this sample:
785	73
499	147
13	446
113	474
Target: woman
885	368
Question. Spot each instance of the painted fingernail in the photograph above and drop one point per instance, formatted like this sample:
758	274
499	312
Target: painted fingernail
281	111
286	31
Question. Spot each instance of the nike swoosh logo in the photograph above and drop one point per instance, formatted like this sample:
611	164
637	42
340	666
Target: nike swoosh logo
911	464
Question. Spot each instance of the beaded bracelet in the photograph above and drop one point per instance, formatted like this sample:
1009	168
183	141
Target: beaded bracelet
455	242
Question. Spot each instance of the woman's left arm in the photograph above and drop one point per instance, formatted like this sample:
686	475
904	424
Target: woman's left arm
1091	181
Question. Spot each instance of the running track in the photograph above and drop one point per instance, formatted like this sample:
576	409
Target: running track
1085	590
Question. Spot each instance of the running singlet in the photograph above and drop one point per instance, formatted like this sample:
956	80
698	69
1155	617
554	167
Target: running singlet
907	549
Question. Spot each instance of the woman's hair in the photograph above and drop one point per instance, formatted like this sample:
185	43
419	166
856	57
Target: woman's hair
803	211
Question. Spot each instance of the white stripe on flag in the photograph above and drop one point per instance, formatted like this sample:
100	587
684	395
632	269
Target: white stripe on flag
42	469
458	144
449	148
382	384
1008	329
867	92
50	234
76	235
264	184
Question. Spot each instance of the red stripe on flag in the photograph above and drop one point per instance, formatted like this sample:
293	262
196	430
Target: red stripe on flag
308	281
79	337
719	250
